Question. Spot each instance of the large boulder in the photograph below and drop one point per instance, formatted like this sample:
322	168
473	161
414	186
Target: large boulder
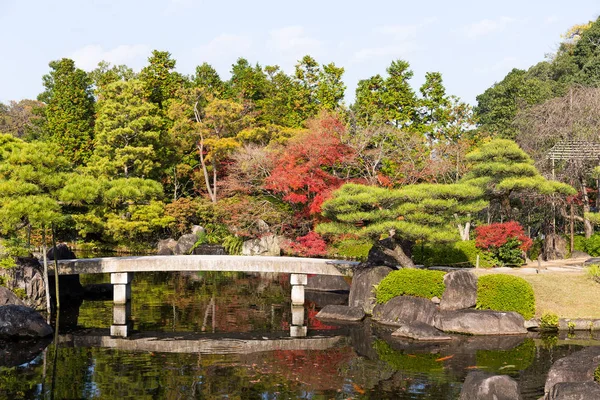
341	313
363	283
21	321
481	386
27	277
327	283
166	247
460	292
574	391
420	331
577	367
405	309
480	322
268	245
8	297
15	353
185	244
63	252
555	247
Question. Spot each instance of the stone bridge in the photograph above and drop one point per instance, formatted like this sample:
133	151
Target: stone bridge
122	270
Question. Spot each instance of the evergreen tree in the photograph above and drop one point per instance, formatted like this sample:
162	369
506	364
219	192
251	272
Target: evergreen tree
70	109
415	212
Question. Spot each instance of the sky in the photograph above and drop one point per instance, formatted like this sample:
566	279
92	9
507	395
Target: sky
472	43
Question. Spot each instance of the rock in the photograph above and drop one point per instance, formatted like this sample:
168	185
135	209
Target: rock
269	245
185	244
405	309
480	322
198	230
555	247
69	285
532	324
590	261
363	282
420	331
376	257
63	252
21	321
166	247
436	300
577	367
460	292
8	297
481	386
209	249
578	324
341	313
327	283
574	391
579	254
27	276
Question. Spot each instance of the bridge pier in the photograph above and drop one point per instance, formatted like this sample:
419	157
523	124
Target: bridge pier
298	282
121	286
122	325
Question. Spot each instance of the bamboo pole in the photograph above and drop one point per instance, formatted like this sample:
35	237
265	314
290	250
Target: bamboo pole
46	277
55	270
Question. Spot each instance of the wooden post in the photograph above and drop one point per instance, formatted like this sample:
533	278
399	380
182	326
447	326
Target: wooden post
572	228
54	250
477	262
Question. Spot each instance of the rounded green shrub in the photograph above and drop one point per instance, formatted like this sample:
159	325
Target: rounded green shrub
549	322
506	293
353	249
597	374
411	282
591	245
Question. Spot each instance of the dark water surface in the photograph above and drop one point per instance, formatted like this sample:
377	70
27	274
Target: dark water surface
227	336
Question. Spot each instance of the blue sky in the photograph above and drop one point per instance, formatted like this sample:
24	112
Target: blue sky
472	43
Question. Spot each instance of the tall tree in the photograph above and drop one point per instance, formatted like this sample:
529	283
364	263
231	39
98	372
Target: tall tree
70	109
24	119
161	82
128	133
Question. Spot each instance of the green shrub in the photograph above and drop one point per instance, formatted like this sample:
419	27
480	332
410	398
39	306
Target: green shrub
411	282
592	245
549	322
506	293
593	271
352	249
578	243
233	245
597	374
463	253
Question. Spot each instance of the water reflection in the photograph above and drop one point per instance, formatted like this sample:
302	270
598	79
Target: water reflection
213	338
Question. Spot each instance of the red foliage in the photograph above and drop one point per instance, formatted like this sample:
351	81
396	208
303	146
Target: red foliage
305	172
496	235
310	245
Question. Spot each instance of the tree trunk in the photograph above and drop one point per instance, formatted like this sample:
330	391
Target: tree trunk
398	254
587	225
464	230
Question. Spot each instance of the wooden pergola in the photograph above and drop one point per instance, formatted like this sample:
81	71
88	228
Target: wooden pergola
574	150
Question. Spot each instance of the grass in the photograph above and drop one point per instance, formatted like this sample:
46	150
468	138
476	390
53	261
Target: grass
566	294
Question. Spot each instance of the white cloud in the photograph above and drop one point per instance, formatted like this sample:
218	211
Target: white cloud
89	56
487	26
294	41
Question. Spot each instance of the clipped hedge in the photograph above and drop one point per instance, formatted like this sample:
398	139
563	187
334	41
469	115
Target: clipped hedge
411	282
505	293
460	254
352	249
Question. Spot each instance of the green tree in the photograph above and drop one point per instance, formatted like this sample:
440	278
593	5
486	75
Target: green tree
128	133
69	110
331	88
160	80
415	212
503	170
24	119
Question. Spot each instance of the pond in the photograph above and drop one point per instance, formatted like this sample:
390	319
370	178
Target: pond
227	336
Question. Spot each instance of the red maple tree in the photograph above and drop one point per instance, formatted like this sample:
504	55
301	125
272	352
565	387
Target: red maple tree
496	235
308	170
